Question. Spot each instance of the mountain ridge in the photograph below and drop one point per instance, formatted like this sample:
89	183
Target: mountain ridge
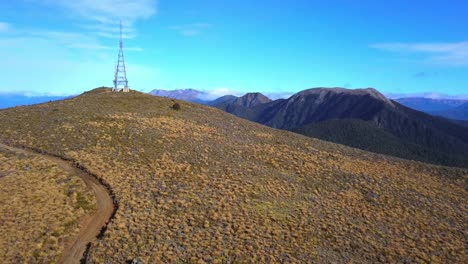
320	104
189	94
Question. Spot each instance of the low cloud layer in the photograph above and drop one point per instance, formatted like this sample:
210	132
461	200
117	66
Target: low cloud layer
208	95
427	95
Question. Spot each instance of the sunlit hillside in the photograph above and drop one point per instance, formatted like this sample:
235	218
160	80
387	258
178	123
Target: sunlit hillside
41	208
199	185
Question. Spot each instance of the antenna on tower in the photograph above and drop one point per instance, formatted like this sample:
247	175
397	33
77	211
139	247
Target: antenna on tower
120	76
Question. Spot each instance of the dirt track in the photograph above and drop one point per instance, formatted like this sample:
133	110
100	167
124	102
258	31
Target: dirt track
91	224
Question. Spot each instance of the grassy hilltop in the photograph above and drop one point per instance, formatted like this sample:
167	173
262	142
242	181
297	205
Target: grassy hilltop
200	185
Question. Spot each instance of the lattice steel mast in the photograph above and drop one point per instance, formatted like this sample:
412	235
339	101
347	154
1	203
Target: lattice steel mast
120	76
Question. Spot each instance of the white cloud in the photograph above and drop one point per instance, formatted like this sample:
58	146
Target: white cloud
67	62
103	16
4	26
69	40
110	31
108	11
215	93
191	30
60	70
73	60
454	54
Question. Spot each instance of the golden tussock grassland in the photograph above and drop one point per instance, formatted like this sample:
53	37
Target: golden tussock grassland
40	208
201	186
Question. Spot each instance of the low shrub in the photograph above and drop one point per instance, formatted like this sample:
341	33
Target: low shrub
176	106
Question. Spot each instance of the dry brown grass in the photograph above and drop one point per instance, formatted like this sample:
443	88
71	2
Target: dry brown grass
40	208
199	185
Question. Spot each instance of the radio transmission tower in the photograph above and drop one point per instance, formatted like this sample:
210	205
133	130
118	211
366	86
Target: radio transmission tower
120	77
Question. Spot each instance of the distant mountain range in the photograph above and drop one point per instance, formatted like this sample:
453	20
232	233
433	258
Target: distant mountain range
450	108
195	96
12	100
361	118
459	113
439	107
190	95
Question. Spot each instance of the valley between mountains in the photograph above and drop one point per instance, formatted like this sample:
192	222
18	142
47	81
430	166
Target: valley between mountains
200	185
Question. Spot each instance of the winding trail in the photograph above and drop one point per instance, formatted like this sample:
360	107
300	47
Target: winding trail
91	224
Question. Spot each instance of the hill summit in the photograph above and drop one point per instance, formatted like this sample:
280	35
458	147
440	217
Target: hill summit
322	93
201	185
251	100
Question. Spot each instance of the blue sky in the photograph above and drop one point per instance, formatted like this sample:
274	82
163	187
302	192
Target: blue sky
63	47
